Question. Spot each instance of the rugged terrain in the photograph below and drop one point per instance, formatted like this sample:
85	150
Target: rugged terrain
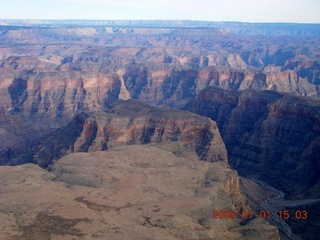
133	123
268	134
63	89
50	74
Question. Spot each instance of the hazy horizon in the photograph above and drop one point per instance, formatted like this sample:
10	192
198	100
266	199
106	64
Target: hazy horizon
164	20
271	11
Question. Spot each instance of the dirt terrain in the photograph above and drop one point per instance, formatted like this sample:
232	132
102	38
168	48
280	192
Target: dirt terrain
133	192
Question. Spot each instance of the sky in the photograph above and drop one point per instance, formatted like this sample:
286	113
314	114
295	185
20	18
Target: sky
299	11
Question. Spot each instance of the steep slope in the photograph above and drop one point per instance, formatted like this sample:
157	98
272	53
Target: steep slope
31	108
58	85
161	65
133	122
269	135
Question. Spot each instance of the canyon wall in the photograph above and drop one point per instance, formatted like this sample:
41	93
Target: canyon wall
50	76
268	135
59	95
133	123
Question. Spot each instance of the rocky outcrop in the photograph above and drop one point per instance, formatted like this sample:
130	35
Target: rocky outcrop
174	88
268	135
77	86
35	94
34	104
130	123
132	192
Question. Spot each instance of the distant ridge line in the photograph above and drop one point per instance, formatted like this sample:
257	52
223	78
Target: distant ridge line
239	28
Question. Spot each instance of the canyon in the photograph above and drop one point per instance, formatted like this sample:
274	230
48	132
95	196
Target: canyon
268	133
233	95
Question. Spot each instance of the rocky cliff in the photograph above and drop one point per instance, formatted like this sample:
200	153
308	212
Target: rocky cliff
160	65
59	87
87	85
158	83
131	123
50	75
268	135
34	104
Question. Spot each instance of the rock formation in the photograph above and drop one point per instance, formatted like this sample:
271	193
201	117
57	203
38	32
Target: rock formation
160	65
269	135
59	91
129	123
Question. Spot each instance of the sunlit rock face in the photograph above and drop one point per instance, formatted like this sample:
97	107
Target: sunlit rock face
129	123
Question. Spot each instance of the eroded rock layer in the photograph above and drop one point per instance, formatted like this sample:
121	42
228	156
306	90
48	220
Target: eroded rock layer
59	85
133	122
269	135
48	75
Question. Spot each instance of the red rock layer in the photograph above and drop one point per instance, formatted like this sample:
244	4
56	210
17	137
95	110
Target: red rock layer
130	123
